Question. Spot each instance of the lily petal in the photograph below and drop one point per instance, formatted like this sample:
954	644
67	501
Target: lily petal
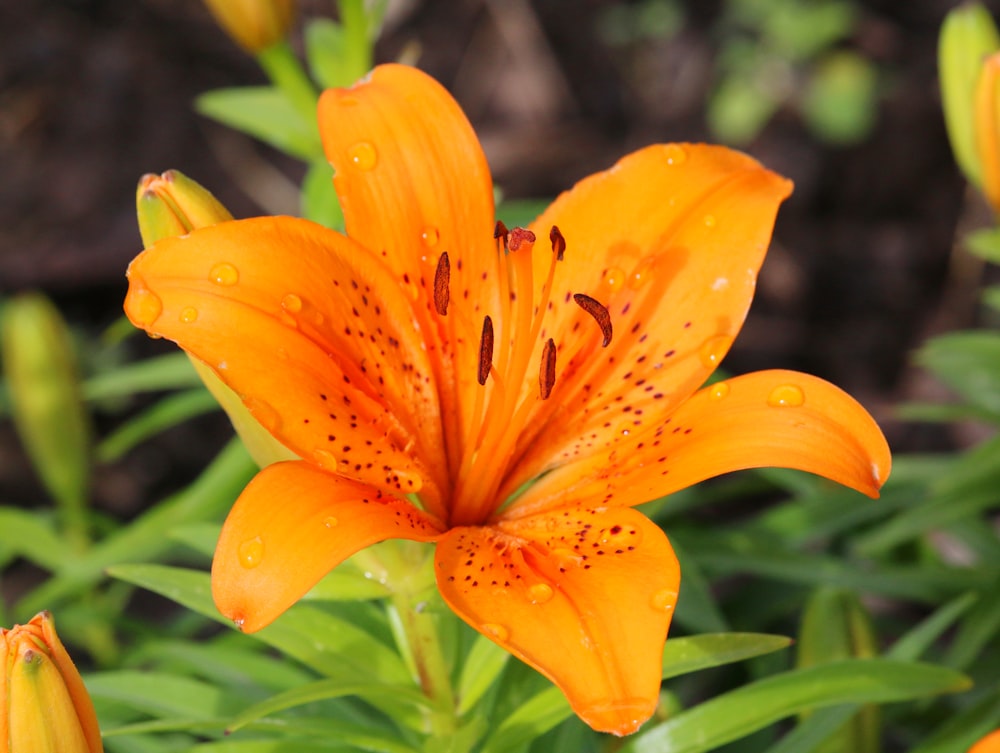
290	527
669	240
413	183
775	418
294	318
583	596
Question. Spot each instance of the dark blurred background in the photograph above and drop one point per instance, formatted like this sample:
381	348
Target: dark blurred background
839	95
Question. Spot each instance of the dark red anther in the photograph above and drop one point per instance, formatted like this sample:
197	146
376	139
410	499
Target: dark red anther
599	312
485	350
500	231
520	235
442	278
547	371
558	242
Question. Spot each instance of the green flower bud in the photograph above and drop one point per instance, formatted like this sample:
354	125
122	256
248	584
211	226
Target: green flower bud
968	35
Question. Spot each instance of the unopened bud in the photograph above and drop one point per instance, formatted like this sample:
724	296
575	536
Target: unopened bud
44	706
172	204
968	35
253	24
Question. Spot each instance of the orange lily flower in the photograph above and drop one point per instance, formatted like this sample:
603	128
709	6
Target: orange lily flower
445	381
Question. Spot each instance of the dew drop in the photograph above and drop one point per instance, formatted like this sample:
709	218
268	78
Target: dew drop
251	552
291	303
363	155
493	630
146	306
642	273
348	101
265	413
713	349
430	236
718	391
786	395
663	601
540	593
330	521
675	154
325	459
614	279
188	315
224	274
709	220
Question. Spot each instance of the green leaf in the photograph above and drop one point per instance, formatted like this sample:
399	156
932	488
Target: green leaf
752	707
168	412
168	372
321	641
816	729
958	732
985	243
839	102
480	669
919	639
161	695
265	113
548	708
325	44
696	607
979	630
323	690
30	535
969	363
319	200
209	497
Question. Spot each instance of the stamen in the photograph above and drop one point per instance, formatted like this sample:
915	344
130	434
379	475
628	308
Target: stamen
547	371
599	312
442	278
518	236
485	350
500	231
558	242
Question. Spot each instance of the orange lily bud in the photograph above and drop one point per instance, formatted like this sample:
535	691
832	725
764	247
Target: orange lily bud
44	706
172	204
253	24
988	128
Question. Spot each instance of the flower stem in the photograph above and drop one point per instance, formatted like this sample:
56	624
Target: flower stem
287	73
413	609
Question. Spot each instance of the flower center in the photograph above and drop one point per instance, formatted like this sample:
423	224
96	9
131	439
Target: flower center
509	350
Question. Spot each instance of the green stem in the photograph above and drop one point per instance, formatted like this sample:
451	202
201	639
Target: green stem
286	72
410	575
358	52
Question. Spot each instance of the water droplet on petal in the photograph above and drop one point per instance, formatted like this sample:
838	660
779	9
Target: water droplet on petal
675	154
363	155
224	274
718	391
291	303
664	600
325	459
265	413
251	552
642	273
348	101
540	593
709	220
188	315
713	350
876	473
430	236
492	630
146	306
786	395
614	279
330	521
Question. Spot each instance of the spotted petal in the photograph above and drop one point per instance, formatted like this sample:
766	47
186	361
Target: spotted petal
669	240
290	527
583	596
767	418
413	183
295	319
